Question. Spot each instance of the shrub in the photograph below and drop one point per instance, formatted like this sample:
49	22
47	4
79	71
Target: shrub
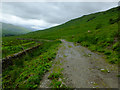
116	46
108	52
54	75
93	47
84	43
112	21
91	19
98	26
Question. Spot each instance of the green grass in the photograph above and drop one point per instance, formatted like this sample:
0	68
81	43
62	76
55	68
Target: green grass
55	75
105	70
56	78
11	47
98	31
27	71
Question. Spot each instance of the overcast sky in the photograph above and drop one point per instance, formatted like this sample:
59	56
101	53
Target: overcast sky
41	15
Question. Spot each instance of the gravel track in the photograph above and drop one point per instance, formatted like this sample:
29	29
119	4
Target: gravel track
83	68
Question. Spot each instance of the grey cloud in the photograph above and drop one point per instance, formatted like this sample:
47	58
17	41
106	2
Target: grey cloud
54	12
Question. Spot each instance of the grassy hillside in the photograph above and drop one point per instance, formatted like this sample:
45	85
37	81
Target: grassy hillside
10	30
97	31
92	22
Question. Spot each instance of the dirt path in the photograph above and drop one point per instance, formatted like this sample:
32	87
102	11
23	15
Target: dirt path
83	68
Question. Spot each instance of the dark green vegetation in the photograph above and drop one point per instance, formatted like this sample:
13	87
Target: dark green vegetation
27	71
98	31
11	30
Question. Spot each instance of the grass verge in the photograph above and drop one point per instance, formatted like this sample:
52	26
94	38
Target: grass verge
27	71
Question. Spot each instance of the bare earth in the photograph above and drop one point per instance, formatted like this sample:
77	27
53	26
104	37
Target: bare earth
83	68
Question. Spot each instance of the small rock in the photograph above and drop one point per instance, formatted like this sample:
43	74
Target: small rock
63	84
102	69
89	55
89	31
60	79
91	82
108	71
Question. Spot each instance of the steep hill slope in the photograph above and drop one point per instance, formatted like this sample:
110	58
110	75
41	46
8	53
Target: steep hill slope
101	21
97	31
10	30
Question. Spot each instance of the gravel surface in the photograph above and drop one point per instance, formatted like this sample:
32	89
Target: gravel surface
83	68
